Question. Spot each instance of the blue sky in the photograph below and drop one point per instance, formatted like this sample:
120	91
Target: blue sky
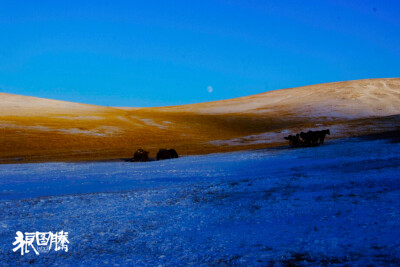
153	53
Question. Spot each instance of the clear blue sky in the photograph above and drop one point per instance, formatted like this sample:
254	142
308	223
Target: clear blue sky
152	53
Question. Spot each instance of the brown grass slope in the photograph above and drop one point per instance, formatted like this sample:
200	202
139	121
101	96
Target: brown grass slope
35	129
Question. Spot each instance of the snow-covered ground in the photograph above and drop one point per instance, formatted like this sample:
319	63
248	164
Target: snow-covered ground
334	204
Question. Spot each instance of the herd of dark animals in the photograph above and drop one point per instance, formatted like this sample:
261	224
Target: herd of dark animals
310	138
143	156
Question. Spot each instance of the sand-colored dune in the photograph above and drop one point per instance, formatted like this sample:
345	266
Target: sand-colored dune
35	129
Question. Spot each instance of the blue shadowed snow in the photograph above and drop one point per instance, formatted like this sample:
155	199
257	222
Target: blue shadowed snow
334	204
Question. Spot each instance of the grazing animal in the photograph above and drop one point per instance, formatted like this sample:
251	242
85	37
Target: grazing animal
163	154
290	138
173	153
167	154
141	155
305	139
313	136
293	140
322	134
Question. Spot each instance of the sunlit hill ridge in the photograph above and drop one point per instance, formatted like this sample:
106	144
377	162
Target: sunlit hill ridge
35	129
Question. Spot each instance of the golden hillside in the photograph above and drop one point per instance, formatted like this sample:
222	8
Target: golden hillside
35	129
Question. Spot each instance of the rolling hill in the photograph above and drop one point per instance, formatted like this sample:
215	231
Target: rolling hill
35	129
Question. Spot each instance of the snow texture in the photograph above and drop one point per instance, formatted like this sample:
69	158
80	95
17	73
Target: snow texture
99	131
337	204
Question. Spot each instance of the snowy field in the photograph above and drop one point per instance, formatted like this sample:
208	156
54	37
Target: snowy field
338	204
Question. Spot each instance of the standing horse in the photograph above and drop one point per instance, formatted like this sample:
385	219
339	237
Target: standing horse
322	134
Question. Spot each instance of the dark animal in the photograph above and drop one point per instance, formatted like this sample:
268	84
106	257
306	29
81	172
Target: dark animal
298	140
293	141
173	153
322	134
313	137
163	154
305	139
166	154
310	138
290	138
141	155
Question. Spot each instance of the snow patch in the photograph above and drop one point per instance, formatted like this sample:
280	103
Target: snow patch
153	123
99	131
80	117
337	204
